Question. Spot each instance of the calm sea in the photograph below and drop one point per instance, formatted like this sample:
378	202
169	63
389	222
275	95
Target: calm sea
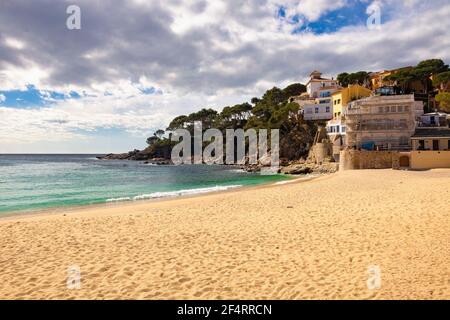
35	182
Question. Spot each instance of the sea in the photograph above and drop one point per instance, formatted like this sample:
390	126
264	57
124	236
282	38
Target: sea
41	181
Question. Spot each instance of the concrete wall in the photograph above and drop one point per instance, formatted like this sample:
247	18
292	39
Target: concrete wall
361	159
430	159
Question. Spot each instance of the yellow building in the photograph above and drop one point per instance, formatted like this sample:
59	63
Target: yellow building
377	79
342	97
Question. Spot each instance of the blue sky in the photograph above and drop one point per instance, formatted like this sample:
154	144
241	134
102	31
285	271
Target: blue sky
106	87
31	97
353	14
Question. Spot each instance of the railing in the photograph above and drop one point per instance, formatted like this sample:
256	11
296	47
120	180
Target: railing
393	148
426	125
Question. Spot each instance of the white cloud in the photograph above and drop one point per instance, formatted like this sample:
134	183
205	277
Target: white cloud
199	53
14	43
2	98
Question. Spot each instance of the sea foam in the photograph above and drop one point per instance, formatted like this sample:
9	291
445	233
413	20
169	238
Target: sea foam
170	194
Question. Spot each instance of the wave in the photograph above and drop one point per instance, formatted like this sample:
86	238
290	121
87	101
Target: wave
118	199
170	194
306	177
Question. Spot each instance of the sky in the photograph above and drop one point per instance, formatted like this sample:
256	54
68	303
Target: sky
136	64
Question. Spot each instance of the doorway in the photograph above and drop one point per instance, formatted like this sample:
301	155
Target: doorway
404	162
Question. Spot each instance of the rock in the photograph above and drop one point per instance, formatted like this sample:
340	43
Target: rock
137	155
306	167
297	169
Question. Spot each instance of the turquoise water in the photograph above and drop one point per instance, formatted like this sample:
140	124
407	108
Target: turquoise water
35	182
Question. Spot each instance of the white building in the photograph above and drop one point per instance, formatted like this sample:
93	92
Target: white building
336	127
318	85
434	119
317	111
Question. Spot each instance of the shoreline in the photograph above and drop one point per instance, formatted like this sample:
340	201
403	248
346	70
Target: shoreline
314	240
55	211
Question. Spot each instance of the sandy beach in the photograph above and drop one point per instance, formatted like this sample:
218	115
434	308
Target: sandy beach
302	240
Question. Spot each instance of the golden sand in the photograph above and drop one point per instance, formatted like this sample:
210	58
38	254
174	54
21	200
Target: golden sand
311	240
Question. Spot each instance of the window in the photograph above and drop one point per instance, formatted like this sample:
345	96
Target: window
403	124
435	144
421	144
380	110
327	109
393	109
432	120
317	110
448	147
400	108
404	141
343	130
386	109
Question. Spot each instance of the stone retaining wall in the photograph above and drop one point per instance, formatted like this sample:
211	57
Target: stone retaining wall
361	159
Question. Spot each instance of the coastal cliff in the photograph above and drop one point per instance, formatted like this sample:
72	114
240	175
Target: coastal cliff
274	110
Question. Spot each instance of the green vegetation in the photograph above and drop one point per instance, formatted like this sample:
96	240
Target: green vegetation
422	72
444	101
442	80
360	77
274	111
271	111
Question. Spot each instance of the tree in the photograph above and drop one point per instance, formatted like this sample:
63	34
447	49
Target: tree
444	101
272	111
205	116
360	77
177	123
431	66
402	78
426	68
152	140
342	79
255	100
274	96
159	133
294	89
442	80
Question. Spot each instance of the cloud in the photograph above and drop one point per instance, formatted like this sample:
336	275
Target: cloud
192	53
2	98
313	9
